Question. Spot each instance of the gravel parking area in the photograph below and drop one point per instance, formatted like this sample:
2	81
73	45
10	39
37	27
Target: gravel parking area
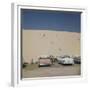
54	70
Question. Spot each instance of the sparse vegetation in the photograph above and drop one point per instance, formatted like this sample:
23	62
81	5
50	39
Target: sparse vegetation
31	66
32	61
24	64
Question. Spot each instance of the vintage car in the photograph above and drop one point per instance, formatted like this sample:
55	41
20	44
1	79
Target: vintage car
44	61
77	60
65	60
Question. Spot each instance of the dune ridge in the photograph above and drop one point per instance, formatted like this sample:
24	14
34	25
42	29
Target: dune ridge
46	42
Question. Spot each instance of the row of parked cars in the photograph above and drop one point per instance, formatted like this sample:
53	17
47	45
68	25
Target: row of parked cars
64	60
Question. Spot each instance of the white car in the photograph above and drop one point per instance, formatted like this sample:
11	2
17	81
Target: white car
65	60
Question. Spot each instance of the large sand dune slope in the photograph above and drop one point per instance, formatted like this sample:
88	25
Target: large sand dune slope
47	42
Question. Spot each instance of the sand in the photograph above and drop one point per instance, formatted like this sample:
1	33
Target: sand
36	43
55	70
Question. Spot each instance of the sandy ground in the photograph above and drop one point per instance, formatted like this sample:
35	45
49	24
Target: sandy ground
36	43
55	70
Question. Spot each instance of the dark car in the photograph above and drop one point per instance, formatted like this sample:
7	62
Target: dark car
77	60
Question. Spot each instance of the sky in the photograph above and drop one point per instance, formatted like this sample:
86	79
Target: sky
50	20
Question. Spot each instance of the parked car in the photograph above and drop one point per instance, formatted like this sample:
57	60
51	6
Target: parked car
44	61
65	60
77	60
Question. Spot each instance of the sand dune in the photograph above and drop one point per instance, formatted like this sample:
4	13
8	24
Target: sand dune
46	42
